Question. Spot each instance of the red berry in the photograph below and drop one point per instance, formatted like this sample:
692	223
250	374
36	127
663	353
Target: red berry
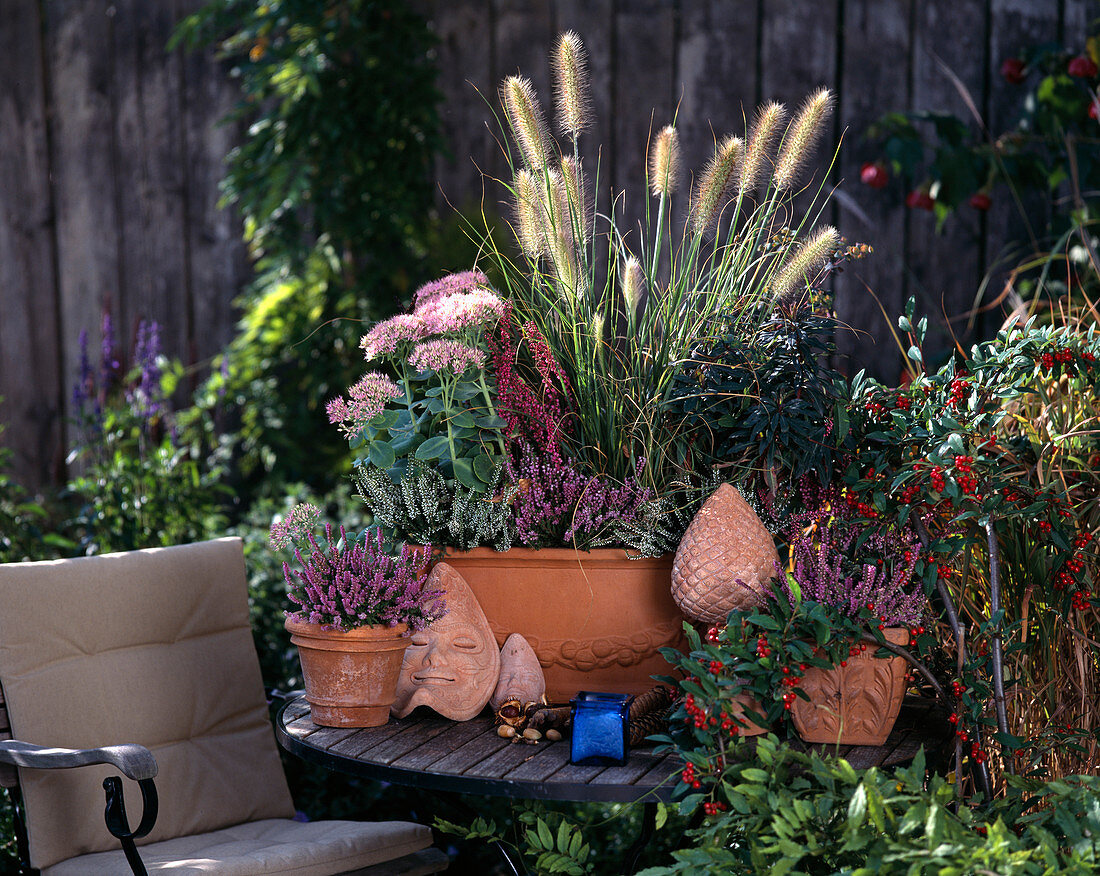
1082	66
1013	70
874	174
919	199
981	201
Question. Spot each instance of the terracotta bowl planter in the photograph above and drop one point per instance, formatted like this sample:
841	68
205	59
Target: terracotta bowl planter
855	704
595	619
350	678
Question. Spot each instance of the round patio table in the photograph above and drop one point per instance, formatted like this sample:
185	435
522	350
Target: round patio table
468	757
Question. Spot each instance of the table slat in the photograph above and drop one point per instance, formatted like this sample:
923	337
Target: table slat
427	755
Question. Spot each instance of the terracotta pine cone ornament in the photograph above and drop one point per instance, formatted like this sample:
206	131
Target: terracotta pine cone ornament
724	560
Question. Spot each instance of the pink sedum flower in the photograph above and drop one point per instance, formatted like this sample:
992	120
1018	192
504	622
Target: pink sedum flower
453	313
452	284
445	355
295	526
385	336
366	399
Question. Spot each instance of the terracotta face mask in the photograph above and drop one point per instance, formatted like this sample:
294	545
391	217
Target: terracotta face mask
521	675
453	665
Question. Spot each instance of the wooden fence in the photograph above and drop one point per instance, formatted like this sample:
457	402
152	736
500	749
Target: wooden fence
110	152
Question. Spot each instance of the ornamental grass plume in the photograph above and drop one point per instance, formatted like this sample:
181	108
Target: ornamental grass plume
801	268
664	162
526	119
766	128
633	284
571	84
714	185
802	136
575	198
529	227
657	293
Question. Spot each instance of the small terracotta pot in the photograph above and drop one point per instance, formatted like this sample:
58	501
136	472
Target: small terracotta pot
594	618
737	710
350	677
855	704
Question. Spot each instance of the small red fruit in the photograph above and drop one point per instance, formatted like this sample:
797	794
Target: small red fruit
1012	70
874	174
1082	66
919	199
981	201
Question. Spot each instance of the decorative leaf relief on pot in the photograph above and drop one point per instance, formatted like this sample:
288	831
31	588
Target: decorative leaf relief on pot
823	687
870	687
588	654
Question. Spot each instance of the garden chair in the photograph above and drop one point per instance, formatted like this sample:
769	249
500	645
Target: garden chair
154	647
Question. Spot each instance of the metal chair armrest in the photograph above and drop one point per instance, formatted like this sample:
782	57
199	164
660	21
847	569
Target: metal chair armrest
132	760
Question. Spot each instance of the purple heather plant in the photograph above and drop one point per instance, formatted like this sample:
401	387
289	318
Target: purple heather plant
837	562
345	584
557	504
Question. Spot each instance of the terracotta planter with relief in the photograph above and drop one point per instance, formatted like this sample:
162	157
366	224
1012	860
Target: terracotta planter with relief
350	677
855	704
594	618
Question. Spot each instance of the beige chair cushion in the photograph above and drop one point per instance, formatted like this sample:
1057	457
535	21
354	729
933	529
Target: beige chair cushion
275	847
151	647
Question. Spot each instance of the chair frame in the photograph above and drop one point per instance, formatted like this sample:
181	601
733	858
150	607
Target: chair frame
136	762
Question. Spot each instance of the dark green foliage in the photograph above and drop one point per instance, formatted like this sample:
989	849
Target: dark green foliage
333	182
789	812
766	404
25	524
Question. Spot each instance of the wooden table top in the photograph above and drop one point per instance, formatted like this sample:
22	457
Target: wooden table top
468	757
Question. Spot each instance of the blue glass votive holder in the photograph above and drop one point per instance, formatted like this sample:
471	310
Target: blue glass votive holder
600	731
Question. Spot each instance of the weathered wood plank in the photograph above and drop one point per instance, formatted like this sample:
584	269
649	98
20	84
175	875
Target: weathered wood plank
551	759
424	756
366	738
216	262
467	756
512	756
150	175
643	93
398	744
523	36
639	764
83	158
593	21
326	737
872	82
466	84
717	87
946	269
1013	229
29	380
